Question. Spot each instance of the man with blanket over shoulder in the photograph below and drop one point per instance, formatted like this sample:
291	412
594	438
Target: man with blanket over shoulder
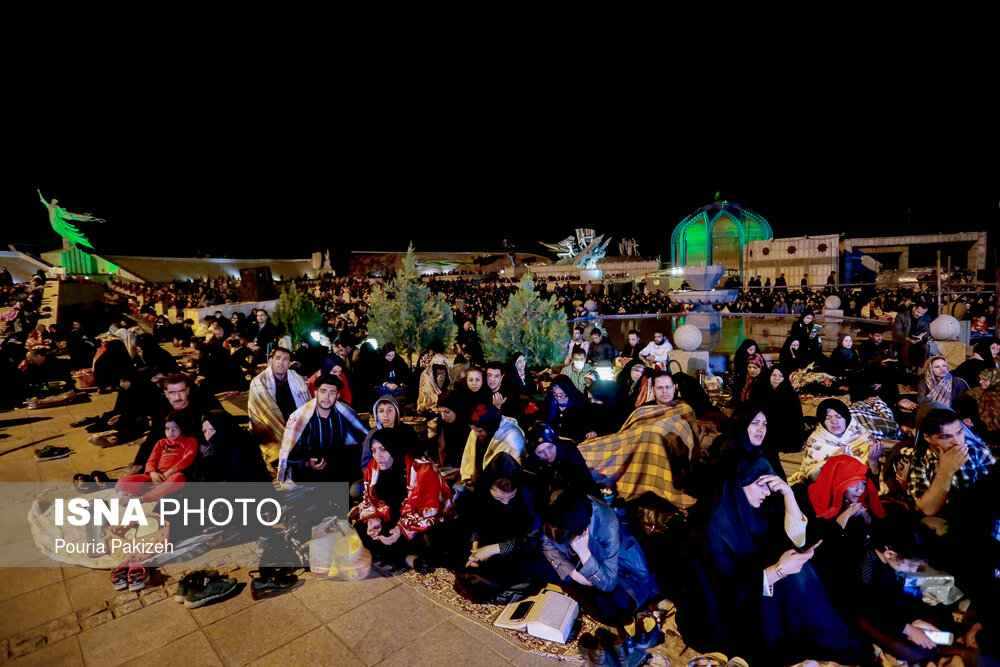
275	394
322	441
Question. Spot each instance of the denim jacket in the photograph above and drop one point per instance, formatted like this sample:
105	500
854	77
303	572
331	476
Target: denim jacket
616	557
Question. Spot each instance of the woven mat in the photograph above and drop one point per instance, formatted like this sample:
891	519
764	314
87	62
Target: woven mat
439	587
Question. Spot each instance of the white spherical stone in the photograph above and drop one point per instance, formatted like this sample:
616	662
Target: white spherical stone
945	327
687	337
832	302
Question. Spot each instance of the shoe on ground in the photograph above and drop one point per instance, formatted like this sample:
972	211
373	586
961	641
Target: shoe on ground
119	577
215	589
109	439
49	453
278	583
191	581
86	421
138	577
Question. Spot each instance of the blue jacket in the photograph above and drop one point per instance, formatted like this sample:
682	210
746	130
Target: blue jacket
616	557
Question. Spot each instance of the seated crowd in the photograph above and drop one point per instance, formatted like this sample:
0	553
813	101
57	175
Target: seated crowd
625	491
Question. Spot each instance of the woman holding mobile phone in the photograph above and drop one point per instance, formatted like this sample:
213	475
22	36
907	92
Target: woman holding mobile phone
749	588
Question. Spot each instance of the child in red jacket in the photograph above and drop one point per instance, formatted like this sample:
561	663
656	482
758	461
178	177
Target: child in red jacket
165	466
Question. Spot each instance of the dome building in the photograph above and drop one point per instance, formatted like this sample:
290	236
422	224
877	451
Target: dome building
716	234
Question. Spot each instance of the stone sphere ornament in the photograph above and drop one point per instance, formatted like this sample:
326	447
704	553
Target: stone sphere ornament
687	337
945	327
832	302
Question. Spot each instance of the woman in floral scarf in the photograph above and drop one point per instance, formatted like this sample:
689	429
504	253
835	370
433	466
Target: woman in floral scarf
939	385
837	433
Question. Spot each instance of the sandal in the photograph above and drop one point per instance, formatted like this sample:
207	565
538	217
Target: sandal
119	577
84	483
138	576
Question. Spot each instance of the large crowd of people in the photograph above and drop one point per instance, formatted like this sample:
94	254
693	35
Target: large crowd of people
625	491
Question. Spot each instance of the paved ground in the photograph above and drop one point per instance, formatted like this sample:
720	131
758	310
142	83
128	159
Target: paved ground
72	616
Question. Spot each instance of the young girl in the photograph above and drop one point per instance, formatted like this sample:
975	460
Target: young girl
165	467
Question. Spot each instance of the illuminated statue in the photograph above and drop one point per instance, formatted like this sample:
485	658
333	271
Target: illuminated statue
583	251
60	218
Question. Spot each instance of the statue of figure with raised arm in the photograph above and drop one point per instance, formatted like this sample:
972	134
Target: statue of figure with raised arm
60	218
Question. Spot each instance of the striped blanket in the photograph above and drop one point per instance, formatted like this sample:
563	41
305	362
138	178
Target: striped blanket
356	432
266	419
651	452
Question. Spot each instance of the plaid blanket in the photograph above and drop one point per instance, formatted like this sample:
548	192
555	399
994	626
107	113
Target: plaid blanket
651	452
877	417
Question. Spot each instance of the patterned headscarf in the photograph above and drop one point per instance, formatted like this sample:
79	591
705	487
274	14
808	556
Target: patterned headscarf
938	391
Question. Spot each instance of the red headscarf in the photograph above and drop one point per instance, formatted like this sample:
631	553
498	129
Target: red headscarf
838	474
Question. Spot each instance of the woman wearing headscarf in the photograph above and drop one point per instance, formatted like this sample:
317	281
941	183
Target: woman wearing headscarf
230	453
845	500
634	382
452	430
387	415
500	534
844	361
403	499
111	362
749	589
793	356
743	391
837	433
802	328
939	385
746	438
434	380
565	410
518	377
984	354
776	397
747	353
554	464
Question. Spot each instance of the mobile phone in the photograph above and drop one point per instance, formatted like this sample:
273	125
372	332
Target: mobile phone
522	610
940	637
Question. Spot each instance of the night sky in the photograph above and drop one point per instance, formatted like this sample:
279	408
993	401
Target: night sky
282	181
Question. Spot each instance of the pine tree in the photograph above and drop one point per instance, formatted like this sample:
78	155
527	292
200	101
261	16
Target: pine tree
528	324
405	312
296	313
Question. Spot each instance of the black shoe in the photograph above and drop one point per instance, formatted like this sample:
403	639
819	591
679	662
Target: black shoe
594	653
98	426
49	453
209	589
269	586
101	477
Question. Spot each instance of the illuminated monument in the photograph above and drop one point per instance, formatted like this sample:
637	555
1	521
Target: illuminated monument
715	235
72	258
582	252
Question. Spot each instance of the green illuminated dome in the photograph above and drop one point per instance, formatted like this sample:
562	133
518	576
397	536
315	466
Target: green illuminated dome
716	234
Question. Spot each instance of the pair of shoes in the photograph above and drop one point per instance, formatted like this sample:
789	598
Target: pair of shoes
129	575
100	477
271	582
86	421
190	580
106	439
49	453
205	589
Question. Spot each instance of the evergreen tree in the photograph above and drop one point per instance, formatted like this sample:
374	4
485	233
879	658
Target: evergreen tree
528	324
405	312
296	313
